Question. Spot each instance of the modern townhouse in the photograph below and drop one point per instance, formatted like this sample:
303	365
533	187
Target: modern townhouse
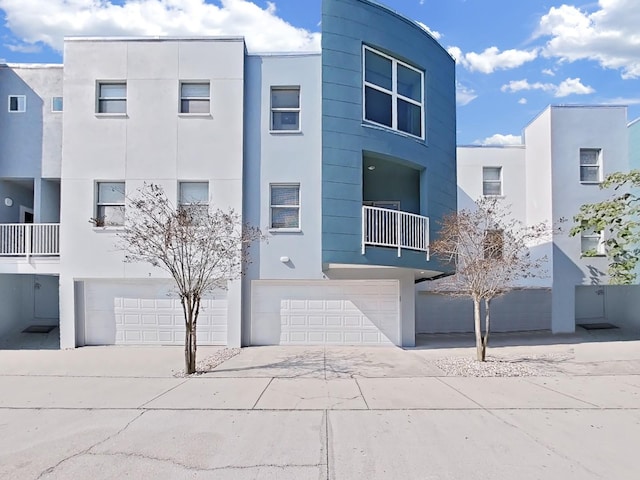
345	158
566	152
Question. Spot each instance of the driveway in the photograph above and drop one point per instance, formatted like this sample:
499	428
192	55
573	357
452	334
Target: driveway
337	413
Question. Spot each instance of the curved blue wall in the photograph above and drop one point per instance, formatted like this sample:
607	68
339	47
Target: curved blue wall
346	26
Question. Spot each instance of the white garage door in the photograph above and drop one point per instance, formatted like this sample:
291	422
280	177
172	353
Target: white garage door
342	312
124	313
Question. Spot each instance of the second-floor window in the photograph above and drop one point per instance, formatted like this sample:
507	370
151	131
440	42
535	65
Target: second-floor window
56	104
590	165
194	196
110	203
195	97
592	242
393	93
112	97
491	181
285	109
285	206
17	103
493	244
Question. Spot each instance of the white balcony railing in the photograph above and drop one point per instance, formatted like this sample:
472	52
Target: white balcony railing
383	227
29	239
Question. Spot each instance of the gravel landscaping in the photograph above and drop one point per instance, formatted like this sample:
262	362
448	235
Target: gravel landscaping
531	366
211	362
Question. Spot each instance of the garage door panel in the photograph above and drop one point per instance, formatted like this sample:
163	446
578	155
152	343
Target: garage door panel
325	312
143	314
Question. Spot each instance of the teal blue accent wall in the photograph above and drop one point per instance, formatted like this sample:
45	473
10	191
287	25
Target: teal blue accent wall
346	26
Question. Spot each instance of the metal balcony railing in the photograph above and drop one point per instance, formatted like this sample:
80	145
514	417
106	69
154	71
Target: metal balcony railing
29	239
383	227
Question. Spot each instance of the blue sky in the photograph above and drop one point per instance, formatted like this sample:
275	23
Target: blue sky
514	57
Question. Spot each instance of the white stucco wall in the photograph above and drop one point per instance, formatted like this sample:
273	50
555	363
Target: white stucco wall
151	143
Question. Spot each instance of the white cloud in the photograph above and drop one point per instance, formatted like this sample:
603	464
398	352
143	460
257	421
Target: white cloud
492	59
48	21
464	95
499	139
24	48
570	86
433	33
608	35
519	85
548	71
522	101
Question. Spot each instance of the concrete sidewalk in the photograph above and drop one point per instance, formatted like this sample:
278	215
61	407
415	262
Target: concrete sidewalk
339	413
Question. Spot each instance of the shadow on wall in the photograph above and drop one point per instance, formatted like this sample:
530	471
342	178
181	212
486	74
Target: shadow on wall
21	133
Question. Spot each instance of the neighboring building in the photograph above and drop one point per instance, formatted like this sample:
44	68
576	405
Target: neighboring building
30	160
566	152
346	158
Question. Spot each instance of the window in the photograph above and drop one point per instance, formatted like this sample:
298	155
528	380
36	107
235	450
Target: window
393	93
285	108
56	104
285	206
592	242
491	181
590	165
194	196
110	204
195	97
493	244
17	103
112	97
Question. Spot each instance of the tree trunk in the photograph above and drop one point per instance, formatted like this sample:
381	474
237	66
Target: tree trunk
190	309
478	328
485	339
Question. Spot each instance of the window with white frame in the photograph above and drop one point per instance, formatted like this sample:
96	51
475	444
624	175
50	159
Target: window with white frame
285	206
592	242
56	104
193	196
491	181
285	109
590	165
195	97
17	103
110	202
112	97
493	244
393	93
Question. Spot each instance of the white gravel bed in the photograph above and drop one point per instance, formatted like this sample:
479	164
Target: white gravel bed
212	361
531	366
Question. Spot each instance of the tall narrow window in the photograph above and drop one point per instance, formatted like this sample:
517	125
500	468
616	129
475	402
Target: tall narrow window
17	103
393	93
491	181
56	104
592	243
195	97
590	171
285	206
285	108
194	196
112	97
493	244
110	204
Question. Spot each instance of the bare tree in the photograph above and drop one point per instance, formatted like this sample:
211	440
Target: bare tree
491	252
201	249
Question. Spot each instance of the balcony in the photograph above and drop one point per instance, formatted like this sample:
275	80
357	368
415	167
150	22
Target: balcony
383	227
29	240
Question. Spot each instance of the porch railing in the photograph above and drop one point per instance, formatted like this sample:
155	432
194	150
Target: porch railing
383	227
29	239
